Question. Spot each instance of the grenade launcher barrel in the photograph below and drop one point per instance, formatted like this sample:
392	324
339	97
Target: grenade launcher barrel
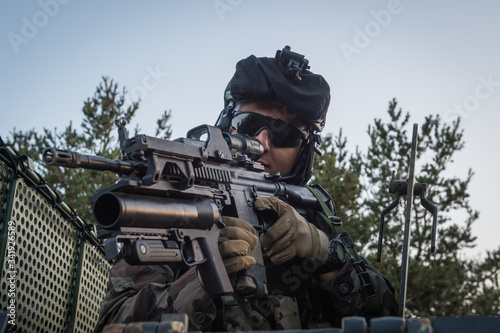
114	210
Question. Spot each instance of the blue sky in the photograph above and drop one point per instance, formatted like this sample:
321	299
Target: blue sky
434	57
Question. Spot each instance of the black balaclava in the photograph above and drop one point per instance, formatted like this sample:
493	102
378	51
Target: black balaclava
286	80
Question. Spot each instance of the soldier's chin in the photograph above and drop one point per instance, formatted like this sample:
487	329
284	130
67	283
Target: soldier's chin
268	169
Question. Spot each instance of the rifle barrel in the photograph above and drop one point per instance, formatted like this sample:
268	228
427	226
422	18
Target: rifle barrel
73	159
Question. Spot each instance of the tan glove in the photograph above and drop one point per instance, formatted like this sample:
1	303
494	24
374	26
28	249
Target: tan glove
291	235
236	241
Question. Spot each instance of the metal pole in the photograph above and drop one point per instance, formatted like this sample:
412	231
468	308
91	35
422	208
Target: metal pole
406	240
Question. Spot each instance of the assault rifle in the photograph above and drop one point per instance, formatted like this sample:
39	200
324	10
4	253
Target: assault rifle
167	205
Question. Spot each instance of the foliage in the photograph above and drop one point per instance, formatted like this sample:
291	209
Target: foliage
441	283
340	176
483	285
96	138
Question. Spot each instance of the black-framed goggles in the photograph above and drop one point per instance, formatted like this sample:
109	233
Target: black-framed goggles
281	133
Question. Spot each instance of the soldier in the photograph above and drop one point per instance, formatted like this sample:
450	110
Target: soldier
314	277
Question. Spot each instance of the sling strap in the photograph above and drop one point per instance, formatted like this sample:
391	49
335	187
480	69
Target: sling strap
335	224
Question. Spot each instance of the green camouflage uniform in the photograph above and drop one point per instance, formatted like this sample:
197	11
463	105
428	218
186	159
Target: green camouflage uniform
296	299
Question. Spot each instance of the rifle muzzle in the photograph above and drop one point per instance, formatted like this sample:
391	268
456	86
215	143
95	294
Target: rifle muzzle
73	159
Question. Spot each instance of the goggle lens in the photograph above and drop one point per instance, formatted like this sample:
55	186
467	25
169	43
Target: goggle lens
281	133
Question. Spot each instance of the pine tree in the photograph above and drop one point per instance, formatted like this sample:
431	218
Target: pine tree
339	174
441	283
483	285
96	137
435	281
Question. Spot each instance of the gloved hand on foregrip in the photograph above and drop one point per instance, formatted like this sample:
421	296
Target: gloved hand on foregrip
236	241
291	235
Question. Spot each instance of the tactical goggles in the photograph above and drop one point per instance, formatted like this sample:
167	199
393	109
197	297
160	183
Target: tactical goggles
281	133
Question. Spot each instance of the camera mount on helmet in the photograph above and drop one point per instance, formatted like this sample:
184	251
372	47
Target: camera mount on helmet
293	62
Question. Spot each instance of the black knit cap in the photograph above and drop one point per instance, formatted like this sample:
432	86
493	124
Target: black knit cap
283	79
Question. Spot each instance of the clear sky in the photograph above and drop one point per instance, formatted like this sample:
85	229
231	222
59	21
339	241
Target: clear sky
434	57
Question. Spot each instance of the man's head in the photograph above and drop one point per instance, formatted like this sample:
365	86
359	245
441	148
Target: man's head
289	106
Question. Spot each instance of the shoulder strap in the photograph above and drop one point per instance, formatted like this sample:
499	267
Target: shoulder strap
335	224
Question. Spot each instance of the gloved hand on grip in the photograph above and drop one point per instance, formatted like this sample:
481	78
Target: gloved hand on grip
291	235
236	241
